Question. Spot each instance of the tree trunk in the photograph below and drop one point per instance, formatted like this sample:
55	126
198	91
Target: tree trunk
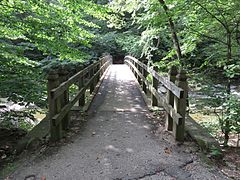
173	30
229	59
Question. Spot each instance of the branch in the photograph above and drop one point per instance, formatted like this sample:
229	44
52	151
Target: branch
209	37
172	28
221	13
211	14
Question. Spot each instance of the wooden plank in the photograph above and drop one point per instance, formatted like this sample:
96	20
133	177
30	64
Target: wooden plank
54	106
180	106
65	85
82	98
155	83
170	97
58	117
168	84
170	110
161	99
163	80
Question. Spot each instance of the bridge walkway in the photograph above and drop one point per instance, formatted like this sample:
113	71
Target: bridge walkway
119	142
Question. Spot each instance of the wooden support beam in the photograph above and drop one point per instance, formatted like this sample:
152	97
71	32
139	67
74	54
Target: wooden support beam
54	106
170	96
91	74
155	85
145	74
180	105
63	77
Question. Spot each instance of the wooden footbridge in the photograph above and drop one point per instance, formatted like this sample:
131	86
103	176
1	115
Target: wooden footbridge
118	139
89	78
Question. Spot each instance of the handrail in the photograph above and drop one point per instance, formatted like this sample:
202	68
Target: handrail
58	93
177	91
58	117
175	102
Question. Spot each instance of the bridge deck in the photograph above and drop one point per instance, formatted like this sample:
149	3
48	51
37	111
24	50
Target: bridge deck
118	142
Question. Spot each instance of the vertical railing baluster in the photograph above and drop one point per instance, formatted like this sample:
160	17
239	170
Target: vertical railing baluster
155	85
170	96
54	106
63	76
180	105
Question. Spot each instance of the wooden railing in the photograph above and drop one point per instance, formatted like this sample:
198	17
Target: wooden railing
58	93
174	102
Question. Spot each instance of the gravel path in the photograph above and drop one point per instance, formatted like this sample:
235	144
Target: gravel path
118	143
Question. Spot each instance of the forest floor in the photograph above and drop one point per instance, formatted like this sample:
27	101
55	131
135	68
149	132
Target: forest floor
120	139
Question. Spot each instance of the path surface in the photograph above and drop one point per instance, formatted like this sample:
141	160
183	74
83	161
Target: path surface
118	143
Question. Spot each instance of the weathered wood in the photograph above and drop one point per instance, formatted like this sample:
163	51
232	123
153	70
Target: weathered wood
92	85
168	108
145	74
58	97
160	98
54	106
57	118
163	80
65	85
81	101
155	85
170	97
135	70
63	76
168	84
175	104
180	106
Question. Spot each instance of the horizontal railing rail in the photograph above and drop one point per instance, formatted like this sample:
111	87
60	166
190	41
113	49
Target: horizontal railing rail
58	93
175	101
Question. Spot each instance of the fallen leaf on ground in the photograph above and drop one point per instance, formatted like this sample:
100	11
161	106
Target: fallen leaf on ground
167	150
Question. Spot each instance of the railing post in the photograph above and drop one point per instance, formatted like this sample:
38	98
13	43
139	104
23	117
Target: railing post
103	69
170	96
135	72
132	69
155	85
63	76
99	74
138	77
80	86
92	85
54	106
180	106
101	64
144	72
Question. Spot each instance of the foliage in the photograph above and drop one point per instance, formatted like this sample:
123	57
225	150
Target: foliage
17	119
16	78
36	36
128	42
226	108
39	35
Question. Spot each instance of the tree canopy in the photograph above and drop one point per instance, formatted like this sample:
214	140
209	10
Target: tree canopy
37	35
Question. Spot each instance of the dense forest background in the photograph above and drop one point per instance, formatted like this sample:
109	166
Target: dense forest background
203	37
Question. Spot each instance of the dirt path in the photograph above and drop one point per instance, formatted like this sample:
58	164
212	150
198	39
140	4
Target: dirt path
118	143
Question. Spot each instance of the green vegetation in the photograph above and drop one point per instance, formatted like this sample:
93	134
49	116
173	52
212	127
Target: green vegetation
201	36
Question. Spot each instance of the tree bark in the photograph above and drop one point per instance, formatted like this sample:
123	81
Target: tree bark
173	30
229	59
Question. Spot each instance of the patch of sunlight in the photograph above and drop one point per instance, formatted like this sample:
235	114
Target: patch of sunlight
146	127
200	117
130	150
111	147
133	110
